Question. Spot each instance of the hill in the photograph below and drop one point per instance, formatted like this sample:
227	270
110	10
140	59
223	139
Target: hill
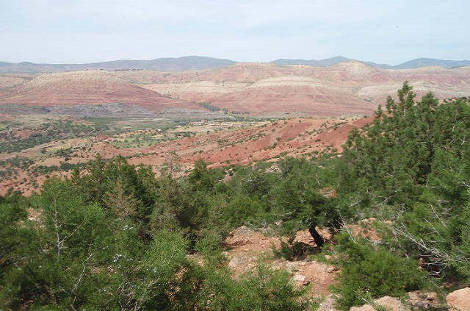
343	89
261	89
83	88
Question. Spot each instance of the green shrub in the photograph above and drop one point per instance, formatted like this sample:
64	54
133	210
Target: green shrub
262	289
372	272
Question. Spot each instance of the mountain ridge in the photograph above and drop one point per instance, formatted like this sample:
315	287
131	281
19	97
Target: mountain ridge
187	63
162	64
411	64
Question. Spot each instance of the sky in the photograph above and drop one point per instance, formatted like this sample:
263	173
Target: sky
80	31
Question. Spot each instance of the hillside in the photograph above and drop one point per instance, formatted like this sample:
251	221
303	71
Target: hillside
82	88
217	143
343	89
347	88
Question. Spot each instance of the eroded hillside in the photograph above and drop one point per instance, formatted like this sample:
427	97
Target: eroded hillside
344	89
42	147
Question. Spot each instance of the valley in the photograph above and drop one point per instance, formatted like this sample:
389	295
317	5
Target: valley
234	155
51	123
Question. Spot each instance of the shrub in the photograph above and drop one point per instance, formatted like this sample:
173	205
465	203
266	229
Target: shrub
262	289
372	272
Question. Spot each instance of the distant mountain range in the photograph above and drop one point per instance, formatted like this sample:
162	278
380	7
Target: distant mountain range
161	64
312	62
412	64
426	62
200	63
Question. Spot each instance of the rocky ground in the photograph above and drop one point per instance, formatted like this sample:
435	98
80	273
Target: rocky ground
246	247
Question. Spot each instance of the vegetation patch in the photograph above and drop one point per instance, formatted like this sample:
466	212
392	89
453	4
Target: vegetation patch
116	236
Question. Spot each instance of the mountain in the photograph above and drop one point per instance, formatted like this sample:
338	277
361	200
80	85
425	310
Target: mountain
162	64
382	66
166	64
312	62
430	62
187	63
412	64
326	62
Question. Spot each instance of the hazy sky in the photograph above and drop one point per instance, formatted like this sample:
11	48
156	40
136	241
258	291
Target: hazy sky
390	31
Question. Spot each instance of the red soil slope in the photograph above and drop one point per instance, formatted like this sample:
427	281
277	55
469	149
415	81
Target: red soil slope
350	88
269	141
85	87
343	89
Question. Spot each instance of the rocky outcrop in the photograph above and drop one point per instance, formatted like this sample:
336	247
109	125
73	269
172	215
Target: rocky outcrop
459	300
247	246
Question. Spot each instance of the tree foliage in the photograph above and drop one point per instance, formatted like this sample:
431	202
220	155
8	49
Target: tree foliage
412	166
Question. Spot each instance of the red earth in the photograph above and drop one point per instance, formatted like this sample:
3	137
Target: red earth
265	141
350	88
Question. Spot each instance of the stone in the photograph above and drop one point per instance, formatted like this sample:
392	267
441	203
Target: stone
459	300
393	304
328	304
423	300
299	278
